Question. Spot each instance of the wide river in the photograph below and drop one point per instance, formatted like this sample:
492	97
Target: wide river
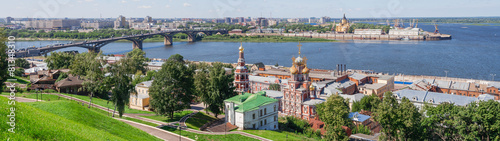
474	52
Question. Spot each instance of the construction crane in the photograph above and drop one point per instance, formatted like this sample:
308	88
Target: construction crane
437	30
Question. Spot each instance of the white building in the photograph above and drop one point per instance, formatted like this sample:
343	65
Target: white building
252	111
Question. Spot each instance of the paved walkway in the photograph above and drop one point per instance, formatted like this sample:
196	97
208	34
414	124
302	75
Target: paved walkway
154	130
22	99
162	134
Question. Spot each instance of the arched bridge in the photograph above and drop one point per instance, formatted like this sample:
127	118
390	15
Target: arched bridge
96	45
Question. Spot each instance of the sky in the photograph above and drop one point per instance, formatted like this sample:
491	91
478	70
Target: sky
248	8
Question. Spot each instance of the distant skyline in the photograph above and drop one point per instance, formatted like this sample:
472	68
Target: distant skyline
240	8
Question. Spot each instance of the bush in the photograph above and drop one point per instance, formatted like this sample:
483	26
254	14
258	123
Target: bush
49	91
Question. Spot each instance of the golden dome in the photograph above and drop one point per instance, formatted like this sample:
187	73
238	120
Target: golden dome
293	70
311	87
241	47
299	61
305	70
344	20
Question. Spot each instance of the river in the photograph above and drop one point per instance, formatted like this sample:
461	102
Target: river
474	52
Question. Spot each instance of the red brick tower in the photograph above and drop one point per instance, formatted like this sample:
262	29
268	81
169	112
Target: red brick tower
241	74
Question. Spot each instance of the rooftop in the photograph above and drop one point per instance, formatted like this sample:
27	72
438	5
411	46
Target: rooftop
438	98
356	116
274	94
250	102
145	84
357	76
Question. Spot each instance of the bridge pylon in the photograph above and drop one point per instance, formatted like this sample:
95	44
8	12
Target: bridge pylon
168	40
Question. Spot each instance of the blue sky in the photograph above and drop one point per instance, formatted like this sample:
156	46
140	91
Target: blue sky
249	8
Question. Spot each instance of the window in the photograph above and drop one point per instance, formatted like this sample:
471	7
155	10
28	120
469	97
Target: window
265	121
275	118
275	108
265	111
261	123
253	115
260	112
275	126
253	126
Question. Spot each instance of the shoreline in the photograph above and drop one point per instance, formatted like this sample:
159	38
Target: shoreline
180	40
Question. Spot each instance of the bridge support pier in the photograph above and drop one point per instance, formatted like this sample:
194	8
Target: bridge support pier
137	44
168	40
191	37
95	50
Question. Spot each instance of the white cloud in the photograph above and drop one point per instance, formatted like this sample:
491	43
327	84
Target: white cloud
167	6
187	5
145	6
123	1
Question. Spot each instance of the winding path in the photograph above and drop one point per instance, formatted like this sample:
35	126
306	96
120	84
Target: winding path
160	133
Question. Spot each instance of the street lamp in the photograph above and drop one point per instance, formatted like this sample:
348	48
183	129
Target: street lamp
493	77
446	76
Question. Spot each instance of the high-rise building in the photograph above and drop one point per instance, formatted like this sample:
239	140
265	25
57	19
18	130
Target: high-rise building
120	22
241	81
9	20
325	19
227	20
148	19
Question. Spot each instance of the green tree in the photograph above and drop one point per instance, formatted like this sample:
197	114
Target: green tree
3	60
122	87
23	63
89	66
220	88
409	121
201	82
399	121
334	113
59	60
275	86
62	75
173	89
135	61
176	57
19	72
387	115
368	103
440	121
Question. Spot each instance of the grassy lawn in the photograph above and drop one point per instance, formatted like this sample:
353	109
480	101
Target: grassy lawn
92	119
278	135
20	80
36	124
104	103
177	116
203	137
198	120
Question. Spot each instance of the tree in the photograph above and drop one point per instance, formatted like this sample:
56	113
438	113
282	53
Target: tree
275	86
3	60
399	121
19	72
176	57
440	121
410	119
23	63
368	103
387	116
201	82
89	67
172	89
62	75
136	61
120	80
59	60
220	88
334	113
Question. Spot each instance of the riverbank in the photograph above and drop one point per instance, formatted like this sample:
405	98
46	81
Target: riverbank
258	38
214	38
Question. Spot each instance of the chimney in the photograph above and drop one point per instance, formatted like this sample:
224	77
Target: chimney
345	69
341	72
337	69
